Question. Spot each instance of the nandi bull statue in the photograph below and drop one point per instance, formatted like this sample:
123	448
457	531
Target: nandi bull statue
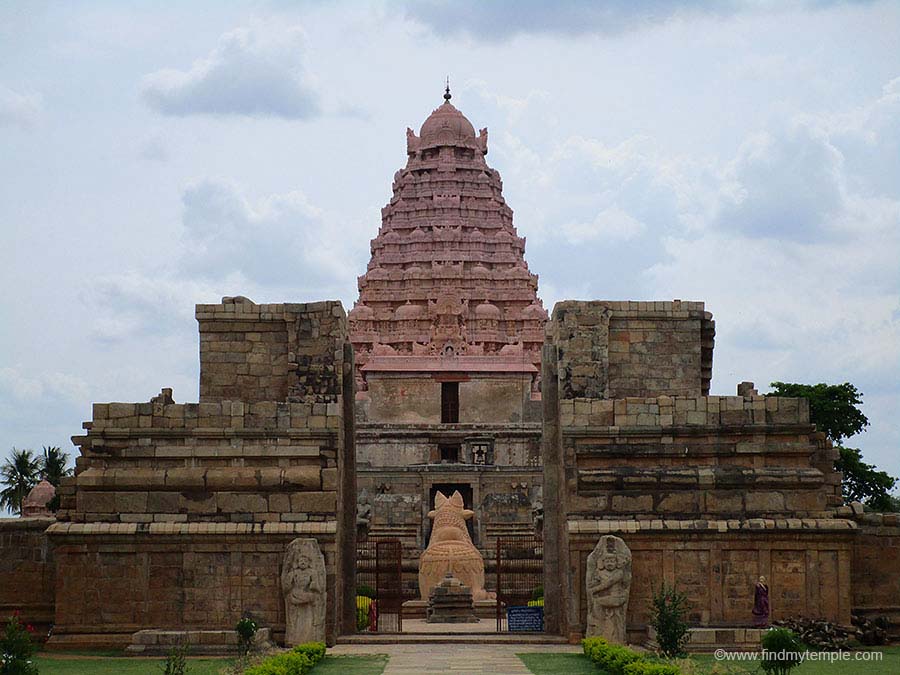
451	549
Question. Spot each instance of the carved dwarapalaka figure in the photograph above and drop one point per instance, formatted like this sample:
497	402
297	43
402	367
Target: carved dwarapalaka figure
303	585
451	550
608	586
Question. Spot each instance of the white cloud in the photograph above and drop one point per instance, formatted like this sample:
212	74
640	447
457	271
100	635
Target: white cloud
18	385
276	248
279	240
253	71
784	185
154	149
21	110
611	224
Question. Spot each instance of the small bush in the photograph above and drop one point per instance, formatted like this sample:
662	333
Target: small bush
782	650
299	661
16	648
365	591
668	615
538	593
609	657
176	661
246	630
314	650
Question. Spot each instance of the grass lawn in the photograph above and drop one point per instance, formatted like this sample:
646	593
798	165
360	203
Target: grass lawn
106	665
64	664
351	665
558	664
578	664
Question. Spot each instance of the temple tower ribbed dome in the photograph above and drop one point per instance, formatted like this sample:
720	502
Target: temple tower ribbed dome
447	266
447	126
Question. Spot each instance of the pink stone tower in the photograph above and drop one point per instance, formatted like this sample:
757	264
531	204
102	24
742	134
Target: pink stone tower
448	276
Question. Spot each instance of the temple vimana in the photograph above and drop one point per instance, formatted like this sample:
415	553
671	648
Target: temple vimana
445	412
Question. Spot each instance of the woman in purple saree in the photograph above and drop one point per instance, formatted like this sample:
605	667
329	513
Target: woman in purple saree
761	604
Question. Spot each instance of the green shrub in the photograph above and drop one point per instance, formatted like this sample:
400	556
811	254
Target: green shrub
314	650
299	661
16	648
650	668
538	593
246	629
609	657
781	651
176	661
668	615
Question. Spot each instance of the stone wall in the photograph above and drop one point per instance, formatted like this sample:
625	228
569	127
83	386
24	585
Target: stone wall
284	352
179	514
213	462
620	349
717	457
483	399
116	579
876	568
708	491
28	571
716	564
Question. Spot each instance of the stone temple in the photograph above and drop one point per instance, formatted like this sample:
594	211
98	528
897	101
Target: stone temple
446	376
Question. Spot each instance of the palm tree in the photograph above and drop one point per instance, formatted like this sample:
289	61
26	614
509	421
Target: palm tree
53	465
18	475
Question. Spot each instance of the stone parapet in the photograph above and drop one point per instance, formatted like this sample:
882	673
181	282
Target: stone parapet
666	412
610	350
269	352
646	525
217	529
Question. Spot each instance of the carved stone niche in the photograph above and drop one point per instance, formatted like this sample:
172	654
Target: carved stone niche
303	585
608	582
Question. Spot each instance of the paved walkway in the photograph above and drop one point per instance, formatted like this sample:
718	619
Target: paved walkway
487	659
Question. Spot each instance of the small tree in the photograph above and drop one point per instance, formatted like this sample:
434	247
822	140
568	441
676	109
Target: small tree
668	615
781	651
18	475
834	409
176	661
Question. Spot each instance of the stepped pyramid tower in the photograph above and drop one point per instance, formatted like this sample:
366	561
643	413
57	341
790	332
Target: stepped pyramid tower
447	287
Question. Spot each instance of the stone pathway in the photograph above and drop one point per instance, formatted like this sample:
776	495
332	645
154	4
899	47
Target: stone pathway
466	659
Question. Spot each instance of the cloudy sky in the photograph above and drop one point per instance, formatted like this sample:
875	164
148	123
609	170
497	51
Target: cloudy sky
153	156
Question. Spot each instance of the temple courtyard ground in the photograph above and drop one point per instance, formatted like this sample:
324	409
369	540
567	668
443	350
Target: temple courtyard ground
407	659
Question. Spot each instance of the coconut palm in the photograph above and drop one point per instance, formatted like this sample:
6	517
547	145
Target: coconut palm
53	465
17	476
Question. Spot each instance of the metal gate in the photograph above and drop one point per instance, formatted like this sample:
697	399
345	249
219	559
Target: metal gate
379	565
520	573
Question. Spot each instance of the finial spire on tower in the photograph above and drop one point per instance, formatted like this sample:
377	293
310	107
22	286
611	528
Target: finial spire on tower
447	95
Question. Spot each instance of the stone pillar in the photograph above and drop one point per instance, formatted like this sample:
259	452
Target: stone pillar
345	585
557	594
